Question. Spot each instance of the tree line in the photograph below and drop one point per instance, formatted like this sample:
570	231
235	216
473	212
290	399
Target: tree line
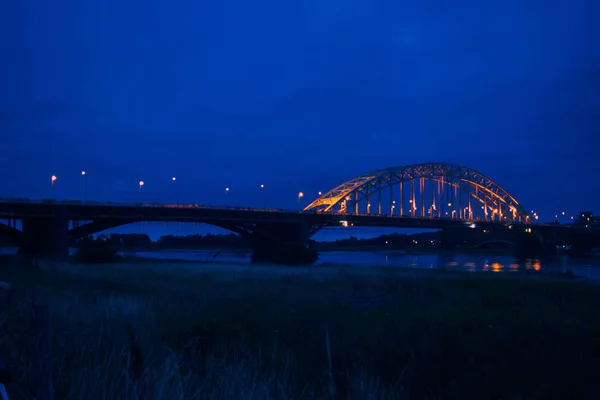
439	239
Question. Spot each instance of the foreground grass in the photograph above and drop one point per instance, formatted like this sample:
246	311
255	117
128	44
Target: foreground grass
141	332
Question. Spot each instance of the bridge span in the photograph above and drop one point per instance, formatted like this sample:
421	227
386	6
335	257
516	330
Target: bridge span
425	196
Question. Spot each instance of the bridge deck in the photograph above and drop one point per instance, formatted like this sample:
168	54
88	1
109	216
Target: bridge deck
88	211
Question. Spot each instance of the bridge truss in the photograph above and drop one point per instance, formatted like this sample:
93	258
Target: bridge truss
433	190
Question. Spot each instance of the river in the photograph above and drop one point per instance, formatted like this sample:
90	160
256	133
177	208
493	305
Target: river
468	262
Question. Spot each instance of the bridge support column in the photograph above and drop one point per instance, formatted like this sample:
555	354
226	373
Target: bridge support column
286	244
46	237
528	245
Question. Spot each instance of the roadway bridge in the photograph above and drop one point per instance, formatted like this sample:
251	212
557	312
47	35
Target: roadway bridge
425	196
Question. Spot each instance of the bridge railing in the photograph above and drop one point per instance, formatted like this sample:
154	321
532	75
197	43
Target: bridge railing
435	218
137	204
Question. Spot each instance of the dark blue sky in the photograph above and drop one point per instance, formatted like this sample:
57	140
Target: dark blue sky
299	96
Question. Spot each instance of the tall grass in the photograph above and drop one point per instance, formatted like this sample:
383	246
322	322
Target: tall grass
141	332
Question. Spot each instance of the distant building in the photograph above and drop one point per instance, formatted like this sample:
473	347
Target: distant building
587	218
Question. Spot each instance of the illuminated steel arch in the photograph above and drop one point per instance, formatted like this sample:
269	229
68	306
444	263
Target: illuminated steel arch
435	190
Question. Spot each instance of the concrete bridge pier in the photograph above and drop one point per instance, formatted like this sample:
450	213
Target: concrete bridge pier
286	244
46	237
530	245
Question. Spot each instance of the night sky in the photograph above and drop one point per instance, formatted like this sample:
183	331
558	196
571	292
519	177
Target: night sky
298	96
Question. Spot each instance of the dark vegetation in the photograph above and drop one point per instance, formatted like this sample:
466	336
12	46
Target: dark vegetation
164	332
141	241
441	240
207	241
104	249
97	250
284	254
428	241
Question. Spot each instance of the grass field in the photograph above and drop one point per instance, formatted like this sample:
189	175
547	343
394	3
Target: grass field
136	331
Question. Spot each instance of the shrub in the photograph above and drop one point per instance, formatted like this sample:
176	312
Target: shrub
96	251
284	254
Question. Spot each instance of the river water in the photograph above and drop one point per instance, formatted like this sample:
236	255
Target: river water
468	262
589	268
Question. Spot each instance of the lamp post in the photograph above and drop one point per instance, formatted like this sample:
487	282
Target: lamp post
174	179
300	195
53	179
226	196
264	195
85	189
141	185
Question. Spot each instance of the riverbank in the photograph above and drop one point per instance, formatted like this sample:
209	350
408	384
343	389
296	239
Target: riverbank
264	332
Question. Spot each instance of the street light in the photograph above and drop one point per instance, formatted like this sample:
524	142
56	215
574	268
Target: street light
320	193
141	184
53	179
300	195
173	179
262	186
84	175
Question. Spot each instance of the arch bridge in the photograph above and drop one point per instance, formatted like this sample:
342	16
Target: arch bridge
430	190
